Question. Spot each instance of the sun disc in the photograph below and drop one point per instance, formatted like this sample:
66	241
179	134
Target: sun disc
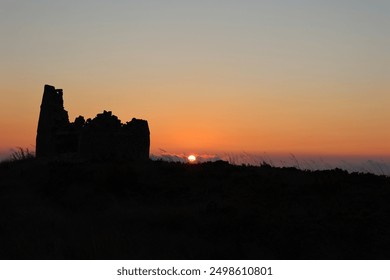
191	158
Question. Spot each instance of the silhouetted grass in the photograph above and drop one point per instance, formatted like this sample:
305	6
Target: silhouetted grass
66	209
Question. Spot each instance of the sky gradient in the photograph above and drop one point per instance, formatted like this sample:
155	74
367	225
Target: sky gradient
302	77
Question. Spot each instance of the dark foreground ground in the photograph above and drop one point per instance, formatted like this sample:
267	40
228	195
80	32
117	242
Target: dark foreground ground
159	210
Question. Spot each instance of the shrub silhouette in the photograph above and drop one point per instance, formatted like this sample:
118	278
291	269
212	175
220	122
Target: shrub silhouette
21	154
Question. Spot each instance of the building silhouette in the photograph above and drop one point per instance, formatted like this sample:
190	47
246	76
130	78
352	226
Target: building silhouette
104	137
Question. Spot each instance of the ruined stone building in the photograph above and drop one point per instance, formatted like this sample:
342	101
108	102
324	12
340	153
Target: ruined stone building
103	137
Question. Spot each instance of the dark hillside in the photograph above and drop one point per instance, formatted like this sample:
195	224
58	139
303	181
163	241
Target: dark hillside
157	210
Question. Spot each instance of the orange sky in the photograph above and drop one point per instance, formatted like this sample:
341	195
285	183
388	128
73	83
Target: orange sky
266	124
209	77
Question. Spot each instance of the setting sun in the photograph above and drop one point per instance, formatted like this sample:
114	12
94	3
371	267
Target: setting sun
191	158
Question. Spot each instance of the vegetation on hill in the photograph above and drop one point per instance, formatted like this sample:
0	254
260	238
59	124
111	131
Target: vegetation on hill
67	209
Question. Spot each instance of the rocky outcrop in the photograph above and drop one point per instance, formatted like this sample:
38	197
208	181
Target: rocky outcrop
104	137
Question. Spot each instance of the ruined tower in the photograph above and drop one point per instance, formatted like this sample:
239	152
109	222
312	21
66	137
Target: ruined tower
52	119
103	137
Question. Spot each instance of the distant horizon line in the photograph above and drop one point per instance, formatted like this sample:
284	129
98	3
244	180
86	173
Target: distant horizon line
375	164
187	151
